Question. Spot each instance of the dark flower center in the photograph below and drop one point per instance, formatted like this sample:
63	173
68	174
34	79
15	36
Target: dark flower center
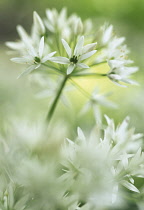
74	59
37	60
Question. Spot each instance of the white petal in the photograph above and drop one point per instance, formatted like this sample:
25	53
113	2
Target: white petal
38	23
62	18
37	66
26	39
78	26
130	70
70	141
80	134
67	47
118	84
129	81
107	34
115	76
129	186
31	50
49	25
86	108
50	15
27	71
61	60
19	60
114	194
47	57
118	63
88	47
131	180
116	42
41	47
82	65
87	55
70	68
23	34
78	47
14	45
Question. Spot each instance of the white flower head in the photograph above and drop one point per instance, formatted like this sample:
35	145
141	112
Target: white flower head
34	58
120	73
80	53
103	163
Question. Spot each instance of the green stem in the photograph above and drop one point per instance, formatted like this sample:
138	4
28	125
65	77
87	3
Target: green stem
88	74
52	68
55	101
95	64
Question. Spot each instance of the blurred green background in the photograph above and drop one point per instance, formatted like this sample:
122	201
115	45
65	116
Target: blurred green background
17	96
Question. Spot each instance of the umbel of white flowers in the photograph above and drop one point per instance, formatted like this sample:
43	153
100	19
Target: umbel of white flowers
94	172
66	35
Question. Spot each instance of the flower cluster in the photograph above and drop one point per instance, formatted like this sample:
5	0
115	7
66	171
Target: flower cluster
65	37
88	173
94	171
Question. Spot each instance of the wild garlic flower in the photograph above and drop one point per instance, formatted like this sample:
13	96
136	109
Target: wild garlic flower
65	26
80	53
112	161
38	30
82	174
34	58
97	101
58	26
55	21
120	73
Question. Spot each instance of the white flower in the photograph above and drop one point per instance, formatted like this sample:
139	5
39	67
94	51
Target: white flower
80	53
96	101
111	161
55	21
75	24
120	73
38	30
34	58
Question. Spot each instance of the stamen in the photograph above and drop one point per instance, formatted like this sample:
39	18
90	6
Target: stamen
37	60
74	59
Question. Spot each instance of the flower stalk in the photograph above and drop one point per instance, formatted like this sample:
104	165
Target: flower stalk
55	101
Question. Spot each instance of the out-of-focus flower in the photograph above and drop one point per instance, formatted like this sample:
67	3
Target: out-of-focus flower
55	21
115	52
96	101
80	53
38	30
111	161
120	73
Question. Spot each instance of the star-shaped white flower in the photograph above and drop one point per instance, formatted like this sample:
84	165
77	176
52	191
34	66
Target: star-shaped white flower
34	58
80	53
